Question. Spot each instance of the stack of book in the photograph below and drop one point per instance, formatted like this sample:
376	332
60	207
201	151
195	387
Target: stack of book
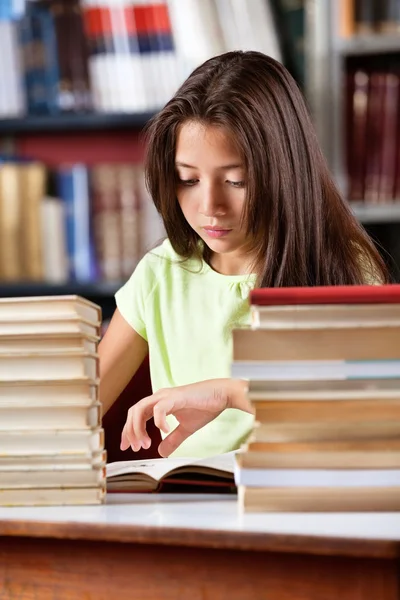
323	366
51	440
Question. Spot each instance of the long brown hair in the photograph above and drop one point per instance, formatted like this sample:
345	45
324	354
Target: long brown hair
304	233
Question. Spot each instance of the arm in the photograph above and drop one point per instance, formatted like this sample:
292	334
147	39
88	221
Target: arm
121	353
193	406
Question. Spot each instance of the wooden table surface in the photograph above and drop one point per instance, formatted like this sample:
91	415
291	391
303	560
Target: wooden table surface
197	547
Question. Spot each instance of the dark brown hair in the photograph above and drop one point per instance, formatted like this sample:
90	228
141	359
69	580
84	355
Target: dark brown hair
304	233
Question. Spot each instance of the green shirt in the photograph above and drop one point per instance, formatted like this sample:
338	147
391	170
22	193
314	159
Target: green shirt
186	312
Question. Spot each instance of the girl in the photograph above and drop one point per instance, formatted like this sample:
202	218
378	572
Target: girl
234	168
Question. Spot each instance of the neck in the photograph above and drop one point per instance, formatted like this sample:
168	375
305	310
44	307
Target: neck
234	264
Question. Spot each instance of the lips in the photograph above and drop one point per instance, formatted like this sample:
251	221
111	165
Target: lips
216	232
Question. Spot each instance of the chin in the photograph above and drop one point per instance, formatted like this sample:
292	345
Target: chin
220	246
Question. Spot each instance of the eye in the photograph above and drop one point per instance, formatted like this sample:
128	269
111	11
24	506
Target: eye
236	184
187	182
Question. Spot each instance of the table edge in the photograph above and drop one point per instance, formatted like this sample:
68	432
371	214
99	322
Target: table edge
201	538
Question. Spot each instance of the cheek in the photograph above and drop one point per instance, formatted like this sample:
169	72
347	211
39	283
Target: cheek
186	202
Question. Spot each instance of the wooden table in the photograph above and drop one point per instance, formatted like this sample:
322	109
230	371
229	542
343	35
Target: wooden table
195	547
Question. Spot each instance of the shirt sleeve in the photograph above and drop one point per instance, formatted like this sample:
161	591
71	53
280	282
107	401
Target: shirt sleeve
132	297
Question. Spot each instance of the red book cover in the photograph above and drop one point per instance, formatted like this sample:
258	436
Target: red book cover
346	294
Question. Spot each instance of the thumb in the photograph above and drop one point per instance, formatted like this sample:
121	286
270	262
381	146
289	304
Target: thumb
173	441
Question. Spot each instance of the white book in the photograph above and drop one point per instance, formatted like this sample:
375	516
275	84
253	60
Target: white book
53	365
54	242
319	478
39	392
39	307
22	415
317	369
52	461
43	325
196	30
325	316
323	388
52	496
79	476
72	342
148	474
67	442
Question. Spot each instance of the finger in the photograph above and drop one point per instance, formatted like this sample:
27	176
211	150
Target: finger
160	412
128	436
125	443
128	439
173	441
140	414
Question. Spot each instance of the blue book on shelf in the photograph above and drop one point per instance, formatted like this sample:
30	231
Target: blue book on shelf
73	188
7	12
51	71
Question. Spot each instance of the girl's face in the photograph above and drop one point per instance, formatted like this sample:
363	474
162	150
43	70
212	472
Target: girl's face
211	191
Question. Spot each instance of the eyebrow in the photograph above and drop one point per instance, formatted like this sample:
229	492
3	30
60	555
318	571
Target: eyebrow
222	168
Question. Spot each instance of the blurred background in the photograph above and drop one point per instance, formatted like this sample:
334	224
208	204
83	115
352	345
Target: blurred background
80	78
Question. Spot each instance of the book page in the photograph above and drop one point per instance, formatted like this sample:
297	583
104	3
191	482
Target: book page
158	468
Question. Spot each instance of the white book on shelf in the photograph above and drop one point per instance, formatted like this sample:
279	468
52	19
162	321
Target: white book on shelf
66	442
53	365
196	30
12	96
54	242
42	391
49	307
55	417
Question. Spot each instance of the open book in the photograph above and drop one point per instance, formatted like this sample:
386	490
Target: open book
171	474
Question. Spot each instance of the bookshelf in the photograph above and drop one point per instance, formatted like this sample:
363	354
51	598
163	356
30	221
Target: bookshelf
377	213
102	290
368	44
330	55
74	122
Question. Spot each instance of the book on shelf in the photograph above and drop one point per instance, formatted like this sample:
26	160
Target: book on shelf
125	57
169	474
74	222
365	17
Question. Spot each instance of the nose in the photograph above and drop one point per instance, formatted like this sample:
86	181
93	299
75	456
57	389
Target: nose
212	202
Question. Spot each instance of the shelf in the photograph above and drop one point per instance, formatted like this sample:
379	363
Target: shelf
377	213
369	44
87	290
73	122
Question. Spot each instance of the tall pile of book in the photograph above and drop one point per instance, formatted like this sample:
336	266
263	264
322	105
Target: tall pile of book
323	366
51	440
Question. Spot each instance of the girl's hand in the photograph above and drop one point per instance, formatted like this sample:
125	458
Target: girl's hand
192	405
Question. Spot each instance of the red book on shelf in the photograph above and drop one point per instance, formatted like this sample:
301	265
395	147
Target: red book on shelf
345	294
